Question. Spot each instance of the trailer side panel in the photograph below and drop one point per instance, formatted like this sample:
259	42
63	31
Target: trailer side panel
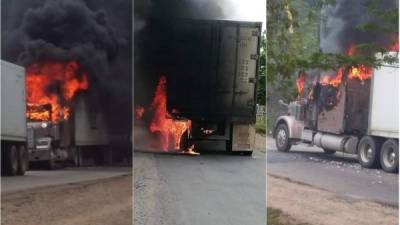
384	106
13	104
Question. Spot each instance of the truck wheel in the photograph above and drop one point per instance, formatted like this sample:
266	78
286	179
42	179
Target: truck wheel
282	140
328	151
51	164
390	156
78	157
246	153
23	160
12	161
368	152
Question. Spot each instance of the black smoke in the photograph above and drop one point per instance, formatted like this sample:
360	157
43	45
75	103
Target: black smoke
154	20
96	33
340	21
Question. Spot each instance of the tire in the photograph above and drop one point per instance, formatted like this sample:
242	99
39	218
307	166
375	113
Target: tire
282	140
329	152
12	160
246	153
368	152
76	162
389	157
23	160
78	157
51	164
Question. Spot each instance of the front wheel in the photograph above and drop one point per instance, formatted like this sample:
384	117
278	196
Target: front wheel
11	160
368	152
282	140
23	160
390	156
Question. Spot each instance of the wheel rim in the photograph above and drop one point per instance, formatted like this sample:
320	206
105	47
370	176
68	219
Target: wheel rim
389	156
281	137
366	153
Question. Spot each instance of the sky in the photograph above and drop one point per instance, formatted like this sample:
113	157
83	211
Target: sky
247	10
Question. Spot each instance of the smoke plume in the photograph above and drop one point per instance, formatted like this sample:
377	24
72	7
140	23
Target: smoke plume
97	34
339	25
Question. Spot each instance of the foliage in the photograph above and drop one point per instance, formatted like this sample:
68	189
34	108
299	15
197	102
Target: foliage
292	41
261	83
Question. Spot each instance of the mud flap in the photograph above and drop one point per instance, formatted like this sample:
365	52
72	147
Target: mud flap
243	137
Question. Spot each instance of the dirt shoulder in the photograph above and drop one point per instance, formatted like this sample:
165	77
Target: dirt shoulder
101	202
314	206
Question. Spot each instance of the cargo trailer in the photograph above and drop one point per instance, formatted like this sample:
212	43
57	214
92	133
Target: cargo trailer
14	153
359	117
212	69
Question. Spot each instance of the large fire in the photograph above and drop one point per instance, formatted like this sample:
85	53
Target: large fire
52	84
169	129
360	72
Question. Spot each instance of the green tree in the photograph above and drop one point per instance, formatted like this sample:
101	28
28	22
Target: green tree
262	75
292	41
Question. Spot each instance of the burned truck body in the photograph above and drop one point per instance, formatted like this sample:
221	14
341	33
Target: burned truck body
81	139
360	116
212	71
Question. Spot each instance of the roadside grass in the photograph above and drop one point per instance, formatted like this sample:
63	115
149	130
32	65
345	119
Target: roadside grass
277	217
261	126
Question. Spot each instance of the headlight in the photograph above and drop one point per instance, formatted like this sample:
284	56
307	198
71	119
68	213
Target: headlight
44	125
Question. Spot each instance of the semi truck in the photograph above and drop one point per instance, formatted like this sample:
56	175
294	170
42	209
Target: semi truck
81	139
212	69
359	117
14	153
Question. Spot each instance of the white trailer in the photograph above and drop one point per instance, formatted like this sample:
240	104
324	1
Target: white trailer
14	153
365	121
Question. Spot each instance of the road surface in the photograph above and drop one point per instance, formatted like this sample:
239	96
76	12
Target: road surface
44	178
100	202
213	188
338	173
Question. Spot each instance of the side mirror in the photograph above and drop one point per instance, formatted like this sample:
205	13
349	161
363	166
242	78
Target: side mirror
282	103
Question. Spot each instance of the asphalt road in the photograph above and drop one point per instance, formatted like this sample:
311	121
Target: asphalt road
43	178
212	188
339	173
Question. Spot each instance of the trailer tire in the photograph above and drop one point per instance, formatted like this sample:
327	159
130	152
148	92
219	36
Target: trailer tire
282	140
23	160
11	160
329	152
246	153
368	152
389	157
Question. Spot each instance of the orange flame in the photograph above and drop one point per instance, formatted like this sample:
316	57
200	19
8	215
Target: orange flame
162	121
300	83
64	78
395	46
355	72
139	111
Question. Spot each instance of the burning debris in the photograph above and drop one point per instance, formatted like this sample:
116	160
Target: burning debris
53	84
170	131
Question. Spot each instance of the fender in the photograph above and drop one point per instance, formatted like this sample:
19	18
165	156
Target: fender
295	127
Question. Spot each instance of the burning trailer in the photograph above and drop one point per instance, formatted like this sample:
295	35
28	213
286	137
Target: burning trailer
206	93
62	127
353	111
